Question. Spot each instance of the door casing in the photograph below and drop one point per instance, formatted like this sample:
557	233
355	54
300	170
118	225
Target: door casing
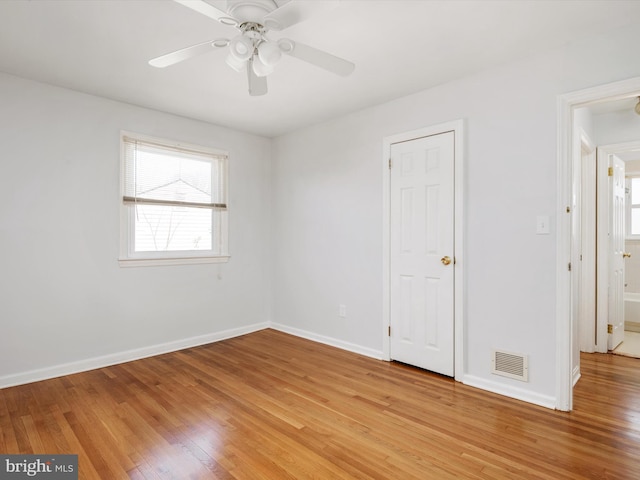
586	323
457	127
564	321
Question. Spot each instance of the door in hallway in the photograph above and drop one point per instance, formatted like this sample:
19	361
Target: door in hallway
616	250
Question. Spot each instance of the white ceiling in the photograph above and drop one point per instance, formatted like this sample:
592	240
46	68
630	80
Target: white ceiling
399	47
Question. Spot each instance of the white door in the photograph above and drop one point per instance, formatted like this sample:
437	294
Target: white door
422	253
616	251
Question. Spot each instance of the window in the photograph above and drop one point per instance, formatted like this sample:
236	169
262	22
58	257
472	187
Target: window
174	203
633	207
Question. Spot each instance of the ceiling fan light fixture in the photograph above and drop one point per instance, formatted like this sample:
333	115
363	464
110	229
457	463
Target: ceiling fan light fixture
241	47
260	68
269	53
250	51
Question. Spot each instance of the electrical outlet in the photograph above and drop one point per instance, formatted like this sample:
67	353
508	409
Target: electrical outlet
342	311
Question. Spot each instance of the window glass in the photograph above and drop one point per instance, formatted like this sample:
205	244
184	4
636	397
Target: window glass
168	228
635	221
174	200
635	191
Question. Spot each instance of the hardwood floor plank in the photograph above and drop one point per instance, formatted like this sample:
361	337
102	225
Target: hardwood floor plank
8	440
272	406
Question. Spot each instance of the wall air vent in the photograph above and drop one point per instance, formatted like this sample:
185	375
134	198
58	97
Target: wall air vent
512	365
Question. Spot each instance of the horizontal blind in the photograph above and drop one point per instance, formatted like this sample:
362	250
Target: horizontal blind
157	174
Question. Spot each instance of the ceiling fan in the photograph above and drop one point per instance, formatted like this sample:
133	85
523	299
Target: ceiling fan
251	50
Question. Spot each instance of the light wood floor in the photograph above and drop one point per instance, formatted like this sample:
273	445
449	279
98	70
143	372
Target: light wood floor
272	406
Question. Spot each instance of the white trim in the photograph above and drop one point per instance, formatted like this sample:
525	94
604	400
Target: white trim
564	334
509	391
602	250
564	383
126	356
586	153
333	342
576	375
173	143
459	323
153	262
456	126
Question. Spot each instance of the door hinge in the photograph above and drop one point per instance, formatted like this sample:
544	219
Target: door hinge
389	164
610	172
569	266
609	328
389	331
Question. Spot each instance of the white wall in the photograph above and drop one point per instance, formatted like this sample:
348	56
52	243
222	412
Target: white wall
63	297
328	206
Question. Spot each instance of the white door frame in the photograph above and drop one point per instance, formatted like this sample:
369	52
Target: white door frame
457	127
564	331
586	324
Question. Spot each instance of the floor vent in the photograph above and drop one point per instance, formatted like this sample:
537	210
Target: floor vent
512	365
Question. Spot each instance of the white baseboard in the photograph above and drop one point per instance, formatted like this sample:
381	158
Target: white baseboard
126	356
351	347
510	391
632	326
576	375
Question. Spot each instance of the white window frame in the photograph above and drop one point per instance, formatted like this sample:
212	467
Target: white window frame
130	258
629	207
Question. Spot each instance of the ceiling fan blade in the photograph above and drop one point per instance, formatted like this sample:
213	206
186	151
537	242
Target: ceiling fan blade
210	11
257	85
296	11
185	53
316	57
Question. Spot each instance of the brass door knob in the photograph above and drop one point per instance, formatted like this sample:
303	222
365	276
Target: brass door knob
445	260
626	255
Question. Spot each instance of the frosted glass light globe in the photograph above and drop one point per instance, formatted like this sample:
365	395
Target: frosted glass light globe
260	69
241	47
269	53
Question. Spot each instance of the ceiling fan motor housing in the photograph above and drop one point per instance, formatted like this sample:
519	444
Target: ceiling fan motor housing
250	10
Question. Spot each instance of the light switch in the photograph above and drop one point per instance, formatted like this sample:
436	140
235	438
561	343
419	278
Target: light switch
542	225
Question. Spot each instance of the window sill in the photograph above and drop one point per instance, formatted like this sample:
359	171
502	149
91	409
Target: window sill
156	262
